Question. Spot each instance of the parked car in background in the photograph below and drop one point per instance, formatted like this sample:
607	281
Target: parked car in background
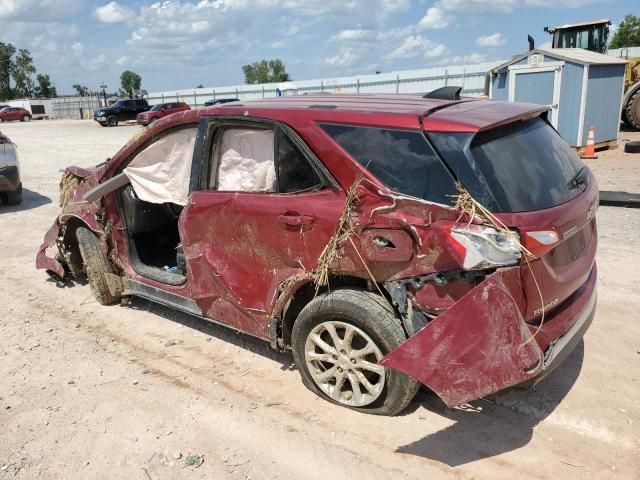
10	183
220	101
345	229
161	110
120	111
8	114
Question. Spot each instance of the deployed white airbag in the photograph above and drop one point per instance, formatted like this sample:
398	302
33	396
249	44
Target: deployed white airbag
245	161
161	172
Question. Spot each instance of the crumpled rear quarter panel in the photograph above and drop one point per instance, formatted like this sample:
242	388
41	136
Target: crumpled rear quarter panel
480	345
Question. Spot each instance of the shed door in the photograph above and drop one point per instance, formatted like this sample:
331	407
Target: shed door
537	84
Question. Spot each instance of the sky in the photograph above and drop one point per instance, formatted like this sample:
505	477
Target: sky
179	44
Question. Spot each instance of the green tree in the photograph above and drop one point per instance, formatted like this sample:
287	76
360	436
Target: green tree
44	87
81	89
129	81
22	73
7	51
265	71
199	86
627	34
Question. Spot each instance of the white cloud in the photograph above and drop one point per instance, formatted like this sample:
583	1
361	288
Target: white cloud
464	59
122	60
113	12
436	51
479	6
38	11
344	58
415	45
559	4
493	40
277	44
77	47
353	34
435	19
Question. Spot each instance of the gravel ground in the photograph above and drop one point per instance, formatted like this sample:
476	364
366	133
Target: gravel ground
616	170
88	391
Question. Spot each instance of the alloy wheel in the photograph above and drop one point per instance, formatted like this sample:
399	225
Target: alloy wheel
342	360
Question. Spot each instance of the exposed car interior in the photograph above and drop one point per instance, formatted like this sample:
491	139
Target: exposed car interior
151	202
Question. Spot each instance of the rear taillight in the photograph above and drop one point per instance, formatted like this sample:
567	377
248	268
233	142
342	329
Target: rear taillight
485	247
539	242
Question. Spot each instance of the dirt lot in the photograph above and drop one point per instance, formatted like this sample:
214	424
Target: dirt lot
88	391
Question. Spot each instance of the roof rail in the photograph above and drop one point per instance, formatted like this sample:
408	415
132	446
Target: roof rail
444	93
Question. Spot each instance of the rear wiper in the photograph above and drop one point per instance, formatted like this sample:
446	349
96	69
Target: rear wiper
579	178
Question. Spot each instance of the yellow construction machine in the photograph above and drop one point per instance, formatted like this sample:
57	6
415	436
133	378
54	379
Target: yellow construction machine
594	36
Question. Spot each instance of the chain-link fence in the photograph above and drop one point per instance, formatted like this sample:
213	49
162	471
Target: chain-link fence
75	106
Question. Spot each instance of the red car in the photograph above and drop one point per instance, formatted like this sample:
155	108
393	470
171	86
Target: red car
161	110
387	240
15	113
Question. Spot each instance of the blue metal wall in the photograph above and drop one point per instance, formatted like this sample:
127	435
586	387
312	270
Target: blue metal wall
500	87
570	96
604	95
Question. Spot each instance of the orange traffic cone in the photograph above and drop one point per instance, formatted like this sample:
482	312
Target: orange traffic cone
589	151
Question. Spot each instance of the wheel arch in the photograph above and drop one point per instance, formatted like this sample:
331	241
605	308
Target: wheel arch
305	290
71	252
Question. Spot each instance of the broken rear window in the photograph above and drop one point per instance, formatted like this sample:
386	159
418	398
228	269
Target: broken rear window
401	159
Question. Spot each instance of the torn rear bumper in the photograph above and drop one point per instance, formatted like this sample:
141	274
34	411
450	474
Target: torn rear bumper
482	344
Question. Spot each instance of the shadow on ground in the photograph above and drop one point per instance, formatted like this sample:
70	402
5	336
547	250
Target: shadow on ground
482	429
30	200
224	333
505	422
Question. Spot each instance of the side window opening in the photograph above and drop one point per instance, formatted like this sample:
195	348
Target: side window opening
161	172
243	160
401	159
295	173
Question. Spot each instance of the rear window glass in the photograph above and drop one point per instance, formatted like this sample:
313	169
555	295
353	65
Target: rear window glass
402	160
522	166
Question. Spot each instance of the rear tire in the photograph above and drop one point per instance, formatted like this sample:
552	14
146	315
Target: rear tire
372	325
13	198
112	121
26	118
96	264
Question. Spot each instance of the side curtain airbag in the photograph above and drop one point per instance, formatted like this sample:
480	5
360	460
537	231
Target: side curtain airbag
160	173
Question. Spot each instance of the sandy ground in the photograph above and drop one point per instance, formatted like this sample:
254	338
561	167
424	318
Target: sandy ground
88	391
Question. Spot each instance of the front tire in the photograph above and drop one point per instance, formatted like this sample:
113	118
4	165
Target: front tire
337	341
112	121
96	264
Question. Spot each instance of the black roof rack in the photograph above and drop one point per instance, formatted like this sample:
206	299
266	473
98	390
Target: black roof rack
444	93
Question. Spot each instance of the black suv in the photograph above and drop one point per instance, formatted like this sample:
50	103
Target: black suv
119	111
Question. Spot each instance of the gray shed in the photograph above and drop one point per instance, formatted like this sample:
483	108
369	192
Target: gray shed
581	88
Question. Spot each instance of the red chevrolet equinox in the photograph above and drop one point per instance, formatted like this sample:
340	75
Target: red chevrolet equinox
388	241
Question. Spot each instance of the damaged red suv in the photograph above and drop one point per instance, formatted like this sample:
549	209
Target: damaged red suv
387	240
